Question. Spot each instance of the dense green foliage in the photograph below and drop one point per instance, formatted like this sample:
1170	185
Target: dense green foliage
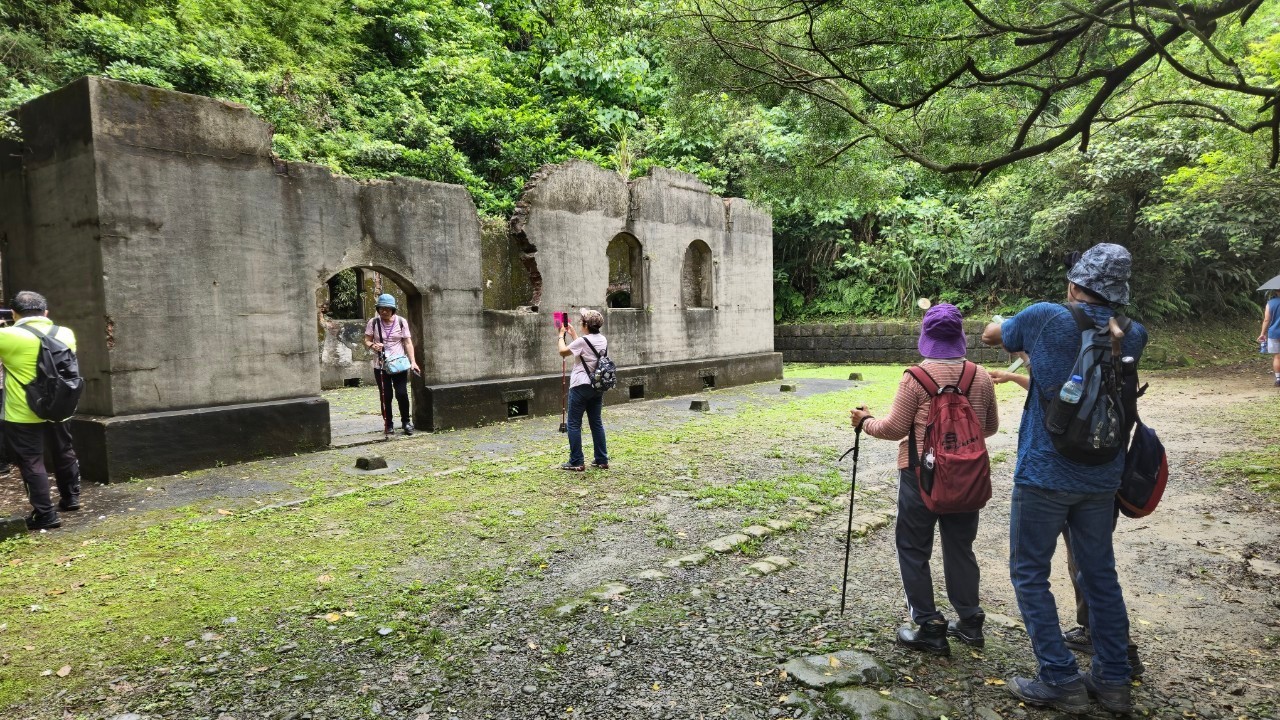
483	94
1061	125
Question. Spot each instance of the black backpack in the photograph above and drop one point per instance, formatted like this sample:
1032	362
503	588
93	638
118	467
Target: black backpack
55	391
1095	430
605	376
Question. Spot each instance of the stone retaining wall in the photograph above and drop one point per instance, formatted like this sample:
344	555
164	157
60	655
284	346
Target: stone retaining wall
869	342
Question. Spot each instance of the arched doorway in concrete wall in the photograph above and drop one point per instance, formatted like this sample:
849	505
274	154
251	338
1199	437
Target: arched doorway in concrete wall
344	304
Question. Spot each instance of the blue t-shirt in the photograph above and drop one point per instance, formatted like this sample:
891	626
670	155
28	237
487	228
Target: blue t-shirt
1048	334
1273	330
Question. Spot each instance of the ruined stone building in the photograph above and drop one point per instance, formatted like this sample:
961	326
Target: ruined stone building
199	270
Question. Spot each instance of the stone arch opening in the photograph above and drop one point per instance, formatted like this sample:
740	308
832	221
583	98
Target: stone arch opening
696	276
626	281
344	304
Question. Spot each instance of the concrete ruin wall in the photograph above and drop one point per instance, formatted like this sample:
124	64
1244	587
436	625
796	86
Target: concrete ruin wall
188	258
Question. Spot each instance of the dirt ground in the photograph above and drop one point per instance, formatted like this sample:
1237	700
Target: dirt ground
1200	577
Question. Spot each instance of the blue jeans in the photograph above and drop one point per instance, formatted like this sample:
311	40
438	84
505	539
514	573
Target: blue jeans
1036	519
585	397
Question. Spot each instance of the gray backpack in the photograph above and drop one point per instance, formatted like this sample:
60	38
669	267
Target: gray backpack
1095	430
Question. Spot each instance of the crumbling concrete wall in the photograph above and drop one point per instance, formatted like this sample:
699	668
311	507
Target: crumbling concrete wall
571	212
188	259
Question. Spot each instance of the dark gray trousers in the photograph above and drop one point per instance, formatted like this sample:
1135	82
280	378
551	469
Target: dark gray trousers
914	535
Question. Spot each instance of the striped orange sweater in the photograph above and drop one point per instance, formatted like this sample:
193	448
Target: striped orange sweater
911	405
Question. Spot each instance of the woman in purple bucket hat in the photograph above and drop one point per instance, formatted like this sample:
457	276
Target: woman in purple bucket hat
942	344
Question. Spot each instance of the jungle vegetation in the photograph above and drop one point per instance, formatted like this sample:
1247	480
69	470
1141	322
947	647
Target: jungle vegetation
954	149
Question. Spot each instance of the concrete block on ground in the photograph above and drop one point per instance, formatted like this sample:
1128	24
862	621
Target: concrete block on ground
371	462
12	527
700	405
787	387
855	376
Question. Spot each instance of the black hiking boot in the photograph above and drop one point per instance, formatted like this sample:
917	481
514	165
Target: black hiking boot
70	502
408	427
1115	698
1069	698
43	521
969	631
930	637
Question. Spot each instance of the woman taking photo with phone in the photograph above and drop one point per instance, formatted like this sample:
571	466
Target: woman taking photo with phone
387	335
586	351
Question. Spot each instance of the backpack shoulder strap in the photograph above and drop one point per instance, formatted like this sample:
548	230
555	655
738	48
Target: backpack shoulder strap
592	346
926	380
36	332
967	375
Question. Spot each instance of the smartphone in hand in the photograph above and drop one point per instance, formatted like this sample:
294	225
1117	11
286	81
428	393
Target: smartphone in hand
561	319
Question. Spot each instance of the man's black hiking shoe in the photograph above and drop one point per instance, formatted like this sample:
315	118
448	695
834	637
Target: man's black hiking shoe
930	637
70	502
600	466
43	521
408	427
1115	698
968	631
1069	698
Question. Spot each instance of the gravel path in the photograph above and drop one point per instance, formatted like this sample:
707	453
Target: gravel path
611	626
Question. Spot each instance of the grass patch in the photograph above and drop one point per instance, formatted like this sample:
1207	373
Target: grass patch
1257	468
1224	341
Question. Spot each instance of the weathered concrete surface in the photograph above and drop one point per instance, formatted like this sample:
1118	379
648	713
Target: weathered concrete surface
187	258
114	449
468	404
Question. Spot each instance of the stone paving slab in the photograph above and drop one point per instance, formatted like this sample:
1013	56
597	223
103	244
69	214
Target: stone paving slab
727	543
757	531
686	560
897	703
610	591
839	669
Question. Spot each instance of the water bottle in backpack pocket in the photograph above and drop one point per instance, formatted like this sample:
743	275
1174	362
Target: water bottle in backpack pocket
1058	416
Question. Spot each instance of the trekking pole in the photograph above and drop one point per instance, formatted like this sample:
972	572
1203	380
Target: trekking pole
848	535
382	399
563	396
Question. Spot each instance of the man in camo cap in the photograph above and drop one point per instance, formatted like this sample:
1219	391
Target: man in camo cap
1051	491
1104	271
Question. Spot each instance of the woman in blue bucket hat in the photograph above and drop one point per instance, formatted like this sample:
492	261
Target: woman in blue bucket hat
387	335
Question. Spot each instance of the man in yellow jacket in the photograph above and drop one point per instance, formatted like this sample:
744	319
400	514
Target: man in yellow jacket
27	435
